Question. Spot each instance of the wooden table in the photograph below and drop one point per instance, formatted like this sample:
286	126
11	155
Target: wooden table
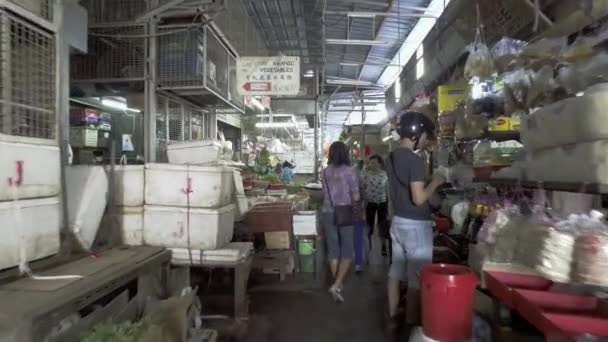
242	270
30	309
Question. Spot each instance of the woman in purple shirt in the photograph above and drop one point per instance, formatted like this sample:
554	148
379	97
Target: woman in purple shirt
341	187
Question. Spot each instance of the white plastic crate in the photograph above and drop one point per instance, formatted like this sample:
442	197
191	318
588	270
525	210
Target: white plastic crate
188	186
579	163
175	227
30	228
242	206
21	174
584	116
194	152
87	190
128	185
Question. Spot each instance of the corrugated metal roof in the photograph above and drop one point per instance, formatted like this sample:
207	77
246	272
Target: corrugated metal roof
296	27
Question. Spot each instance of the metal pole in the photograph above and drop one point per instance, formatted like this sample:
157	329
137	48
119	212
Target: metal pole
62	106
150	93
362	147
316	124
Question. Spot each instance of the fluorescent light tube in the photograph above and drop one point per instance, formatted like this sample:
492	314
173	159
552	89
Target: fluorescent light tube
276	125
114	104
358	42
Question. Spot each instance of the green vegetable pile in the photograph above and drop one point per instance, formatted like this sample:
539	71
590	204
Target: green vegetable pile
123	332
272	178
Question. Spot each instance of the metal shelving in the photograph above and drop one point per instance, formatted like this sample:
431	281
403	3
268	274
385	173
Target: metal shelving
588	188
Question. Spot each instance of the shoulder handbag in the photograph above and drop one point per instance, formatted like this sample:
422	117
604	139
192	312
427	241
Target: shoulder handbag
343	214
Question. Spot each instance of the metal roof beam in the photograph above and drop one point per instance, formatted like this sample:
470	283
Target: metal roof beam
363	2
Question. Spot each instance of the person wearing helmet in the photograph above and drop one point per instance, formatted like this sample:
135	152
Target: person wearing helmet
411	228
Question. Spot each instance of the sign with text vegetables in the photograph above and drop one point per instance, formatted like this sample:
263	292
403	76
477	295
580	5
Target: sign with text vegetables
278	75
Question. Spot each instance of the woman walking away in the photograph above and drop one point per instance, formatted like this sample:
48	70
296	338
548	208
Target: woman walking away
411	230
287	172
341	190
374	195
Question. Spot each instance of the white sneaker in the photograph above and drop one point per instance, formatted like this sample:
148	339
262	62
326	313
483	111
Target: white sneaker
336	293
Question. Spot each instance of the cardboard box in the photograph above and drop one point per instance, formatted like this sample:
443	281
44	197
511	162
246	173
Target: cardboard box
83	137
278	240
449	95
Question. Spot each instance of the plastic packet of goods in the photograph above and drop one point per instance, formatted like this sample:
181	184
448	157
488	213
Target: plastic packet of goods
479	63
577	77
583	48
591	259
507	240
546	48
508	47
505	51
543	84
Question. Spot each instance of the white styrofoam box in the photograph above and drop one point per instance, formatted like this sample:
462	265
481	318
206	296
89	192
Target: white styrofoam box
209	187
232	252
305	223
176	227
584	162
130	221
194	152
128	185
242	206
33	169
238	183
87	190
30	229
569	121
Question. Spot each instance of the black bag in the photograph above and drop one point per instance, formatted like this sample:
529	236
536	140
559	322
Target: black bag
343	214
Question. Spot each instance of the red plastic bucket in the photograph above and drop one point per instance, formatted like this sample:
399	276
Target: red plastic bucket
447	302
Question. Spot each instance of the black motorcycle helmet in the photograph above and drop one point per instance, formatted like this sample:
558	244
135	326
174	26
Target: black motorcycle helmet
411	125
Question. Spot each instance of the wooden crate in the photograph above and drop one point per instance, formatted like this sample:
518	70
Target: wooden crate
278	240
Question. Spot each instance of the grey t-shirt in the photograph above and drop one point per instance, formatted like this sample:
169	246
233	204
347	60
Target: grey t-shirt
409	168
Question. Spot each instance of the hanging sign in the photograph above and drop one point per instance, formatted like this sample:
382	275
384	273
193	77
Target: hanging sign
268	75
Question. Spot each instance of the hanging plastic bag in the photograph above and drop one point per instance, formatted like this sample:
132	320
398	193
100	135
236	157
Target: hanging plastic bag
505	51
516	87
480	62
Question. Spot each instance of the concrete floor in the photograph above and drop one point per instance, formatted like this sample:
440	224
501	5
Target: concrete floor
312	315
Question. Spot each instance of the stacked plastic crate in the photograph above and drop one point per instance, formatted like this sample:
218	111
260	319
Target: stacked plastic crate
30	167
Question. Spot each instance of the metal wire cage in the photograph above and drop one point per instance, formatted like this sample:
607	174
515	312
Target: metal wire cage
41	8
27	79
177	121
114	11
181	58
115	54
